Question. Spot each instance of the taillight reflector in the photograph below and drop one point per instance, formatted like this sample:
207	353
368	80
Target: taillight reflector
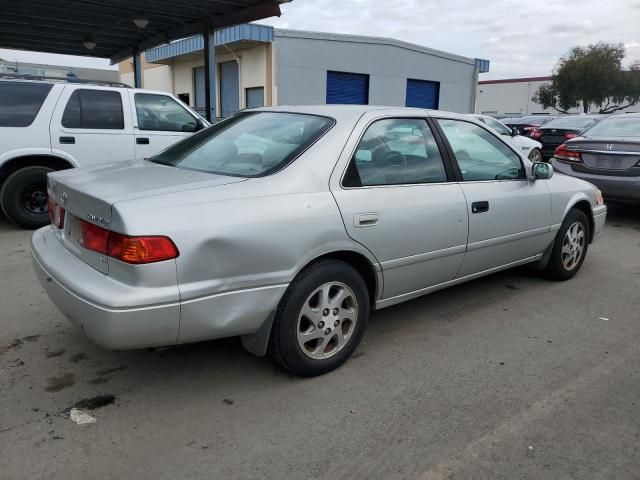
569	136
56	212
563	153
135	250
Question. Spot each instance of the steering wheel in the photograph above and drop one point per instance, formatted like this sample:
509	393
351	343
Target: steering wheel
389	158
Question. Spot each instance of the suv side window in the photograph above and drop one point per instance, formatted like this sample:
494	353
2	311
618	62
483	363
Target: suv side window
20	102
394	152
480	155
94	109
162	113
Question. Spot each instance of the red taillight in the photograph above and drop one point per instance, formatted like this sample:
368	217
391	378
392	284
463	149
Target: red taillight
136	250
56	212
564	154
569	136
141	250
535	133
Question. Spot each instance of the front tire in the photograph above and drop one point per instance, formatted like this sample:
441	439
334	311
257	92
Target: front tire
23	197
321	319
570	247
535	155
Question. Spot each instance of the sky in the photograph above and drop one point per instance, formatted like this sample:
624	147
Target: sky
520	38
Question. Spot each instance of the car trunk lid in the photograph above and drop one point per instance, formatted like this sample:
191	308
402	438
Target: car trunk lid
607	154
88	195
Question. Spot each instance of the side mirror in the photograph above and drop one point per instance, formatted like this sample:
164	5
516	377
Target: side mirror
515	132
541	171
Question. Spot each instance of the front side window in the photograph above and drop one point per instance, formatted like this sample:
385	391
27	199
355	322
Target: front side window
94	109
162	113
247	145
20	102
396	151
480	155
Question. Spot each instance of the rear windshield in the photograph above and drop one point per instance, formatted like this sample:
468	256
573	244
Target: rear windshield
247	145
20	102
571	122
529	121
616	127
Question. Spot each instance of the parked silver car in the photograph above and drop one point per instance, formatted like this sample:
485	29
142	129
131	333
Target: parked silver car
286	226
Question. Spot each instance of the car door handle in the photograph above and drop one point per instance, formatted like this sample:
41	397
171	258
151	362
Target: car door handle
365	220
479	207
67	140
142	141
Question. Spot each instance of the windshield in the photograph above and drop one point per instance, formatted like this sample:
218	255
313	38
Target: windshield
616	127
571	122
247	145
537	121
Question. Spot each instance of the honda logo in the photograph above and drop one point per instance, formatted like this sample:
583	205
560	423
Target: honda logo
609	147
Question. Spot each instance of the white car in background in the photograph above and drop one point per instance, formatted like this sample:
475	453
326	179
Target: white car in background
527	146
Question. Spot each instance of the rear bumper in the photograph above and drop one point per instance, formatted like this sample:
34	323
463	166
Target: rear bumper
623	188
119	316
66	280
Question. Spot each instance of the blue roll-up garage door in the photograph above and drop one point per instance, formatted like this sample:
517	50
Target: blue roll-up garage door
423	94
347	88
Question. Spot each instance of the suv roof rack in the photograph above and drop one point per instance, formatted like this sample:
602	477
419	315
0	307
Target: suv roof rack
26	76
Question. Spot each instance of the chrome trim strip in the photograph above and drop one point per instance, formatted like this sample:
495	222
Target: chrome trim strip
506	238
605	152
422	257
418	293
231	292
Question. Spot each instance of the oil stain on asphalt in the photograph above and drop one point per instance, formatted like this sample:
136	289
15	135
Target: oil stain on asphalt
55	384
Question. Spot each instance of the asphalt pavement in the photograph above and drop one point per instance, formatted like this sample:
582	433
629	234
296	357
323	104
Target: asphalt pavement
508	377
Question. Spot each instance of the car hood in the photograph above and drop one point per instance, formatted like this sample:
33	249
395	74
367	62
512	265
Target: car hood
123	181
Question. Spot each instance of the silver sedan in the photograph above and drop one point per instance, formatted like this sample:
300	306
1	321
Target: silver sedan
287	226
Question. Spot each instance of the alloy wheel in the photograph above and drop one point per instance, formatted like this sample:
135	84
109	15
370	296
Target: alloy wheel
573	245
327	320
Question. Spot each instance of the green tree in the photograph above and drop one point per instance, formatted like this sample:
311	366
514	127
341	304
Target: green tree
591	76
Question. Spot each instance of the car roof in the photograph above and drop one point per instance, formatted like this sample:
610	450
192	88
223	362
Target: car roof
343	112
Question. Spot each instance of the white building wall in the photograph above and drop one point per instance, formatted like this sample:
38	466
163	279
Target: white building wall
158	78
252	71
509	99
512	99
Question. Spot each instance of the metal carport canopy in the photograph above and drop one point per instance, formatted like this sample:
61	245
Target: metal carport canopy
68	26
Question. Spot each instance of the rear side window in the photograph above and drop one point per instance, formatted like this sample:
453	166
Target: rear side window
394	152
20	102
94	109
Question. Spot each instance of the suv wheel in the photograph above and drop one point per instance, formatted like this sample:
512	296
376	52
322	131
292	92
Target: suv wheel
24	197
321	319
535	155
570	246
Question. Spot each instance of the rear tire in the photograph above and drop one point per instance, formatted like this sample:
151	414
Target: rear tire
321	319
23	197
570	247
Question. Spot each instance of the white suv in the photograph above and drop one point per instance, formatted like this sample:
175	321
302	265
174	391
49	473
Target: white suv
528	146
48	125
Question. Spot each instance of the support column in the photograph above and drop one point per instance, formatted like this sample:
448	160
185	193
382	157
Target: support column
210	74
137	70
